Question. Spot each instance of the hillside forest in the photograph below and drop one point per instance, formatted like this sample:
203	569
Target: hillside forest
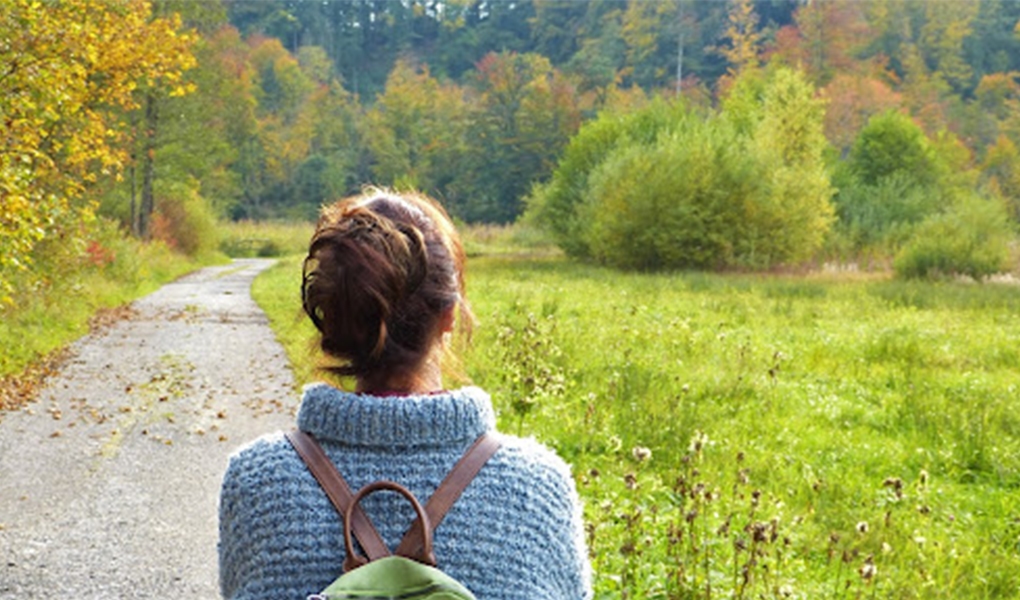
644	135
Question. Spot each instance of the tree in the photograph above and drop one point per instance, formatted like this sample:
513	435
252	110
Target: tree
527	113
947	25
825	40
850	101
69	68
415	131
742	37
792	211
892	143
892	180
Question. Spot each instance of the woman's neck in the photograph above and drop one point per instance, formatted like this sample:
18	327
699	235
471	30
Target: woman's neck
425	379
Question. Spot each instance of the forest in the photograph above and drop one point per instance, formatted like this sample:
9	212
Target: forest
828	130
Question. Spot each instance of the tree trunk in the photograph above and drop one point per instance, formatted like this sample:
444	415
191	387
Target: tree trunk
148	165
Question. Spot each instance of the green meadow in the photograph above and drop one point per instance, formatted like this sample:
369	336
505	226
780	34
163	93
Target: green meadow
747	436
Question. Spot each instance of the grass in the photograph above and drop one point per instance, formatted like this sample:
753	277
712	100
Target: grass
737	436
246	239
732	436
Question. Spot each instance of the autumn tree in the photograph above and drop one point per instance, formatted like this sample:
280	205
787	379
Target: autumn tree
852	99
742	37
825	39
415	131
527	112
69	69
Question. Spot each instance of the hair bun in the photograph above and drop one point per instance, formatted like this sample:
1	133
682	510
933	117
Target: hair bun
377	279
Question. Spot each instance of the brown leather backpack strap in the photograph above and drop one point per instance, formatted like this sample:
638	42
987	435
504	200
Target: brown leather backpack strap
449	490
339	492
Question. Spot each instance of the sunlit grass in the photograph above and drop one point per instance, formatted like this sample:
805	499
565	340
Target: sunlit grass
743	436
263	238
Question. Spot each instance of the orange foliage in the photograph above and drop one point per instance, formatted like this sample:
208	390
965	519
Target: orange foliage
852	100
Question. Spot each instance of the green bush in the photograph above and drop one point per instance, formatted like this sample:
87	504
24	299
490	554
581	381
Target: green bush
970	239
885	213
555	204
184	221
666	187
891	143
676	204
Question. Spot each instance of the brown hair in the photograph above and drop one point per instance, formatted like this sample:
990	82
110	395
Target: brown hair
382	270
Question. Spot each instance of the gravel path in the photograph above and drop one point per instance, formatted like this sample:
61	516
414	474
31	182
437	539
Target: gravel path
109	480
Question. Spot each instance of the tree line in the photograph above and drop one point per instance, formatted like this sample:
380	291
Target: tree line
170	113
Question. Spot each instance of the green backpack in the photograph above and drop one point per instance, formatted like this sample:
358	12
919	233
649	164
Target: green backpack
410	573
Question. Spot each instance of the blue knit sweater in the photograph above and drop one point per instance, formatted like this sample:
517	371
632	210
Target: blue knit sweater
515	533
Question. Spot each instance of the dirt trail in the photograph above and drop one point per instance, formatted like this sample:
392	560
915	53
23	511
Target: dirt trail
109	480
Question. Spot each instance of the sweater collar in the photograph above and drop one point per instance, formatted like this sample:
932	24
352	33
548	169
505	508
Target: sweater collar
458	415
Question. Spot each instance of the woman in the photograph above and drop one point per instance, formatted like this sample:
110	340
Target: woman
384	284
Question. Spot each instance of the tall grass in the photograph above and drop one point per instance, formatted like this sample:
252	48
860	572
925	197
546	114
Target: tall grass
263	239
753	437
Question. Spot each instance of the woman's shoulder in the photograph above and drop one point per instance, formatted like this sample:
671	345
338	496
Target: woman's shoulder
264	457
532	464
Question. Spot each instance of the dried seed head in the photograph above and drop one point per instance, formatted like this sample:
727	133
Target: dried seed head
868	570
640	453
630	480
894	482
758	531
923	478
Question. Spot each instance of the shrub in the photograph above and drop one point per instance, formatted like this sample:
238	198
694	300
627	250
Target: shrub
881	214
184	221
971	239
676	204
666	187
555	204
892	143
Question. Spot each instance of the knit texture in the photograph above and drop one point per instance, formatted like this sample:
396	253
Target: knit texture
515	533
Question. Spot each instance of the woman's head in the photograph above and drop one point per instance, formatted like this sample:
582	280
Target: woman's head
383	280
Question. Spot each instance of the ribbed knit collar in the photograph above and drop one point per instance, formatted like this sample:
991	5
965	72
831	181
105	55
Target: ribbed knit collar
458	415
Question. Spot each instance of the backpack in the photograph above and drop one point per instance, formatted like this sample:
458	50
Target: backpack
410	572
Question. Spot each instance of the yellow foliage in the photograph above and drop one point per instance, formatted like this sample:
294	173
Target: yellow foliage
68	67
